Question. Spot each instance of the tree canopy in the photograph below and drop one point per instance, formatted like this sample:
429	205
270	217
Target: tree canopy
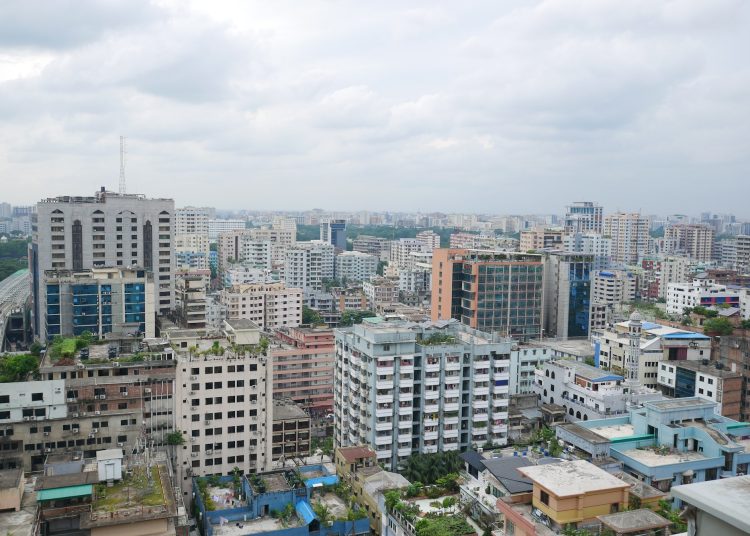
16	368
349	318
718	326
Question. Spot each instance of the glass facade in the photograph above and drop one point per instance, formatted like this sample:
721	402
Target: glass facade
85	308
134	297
53	310
579	299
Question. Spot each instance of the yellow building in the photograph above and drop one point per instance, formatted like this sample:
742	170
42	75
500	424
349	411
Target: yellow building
576	491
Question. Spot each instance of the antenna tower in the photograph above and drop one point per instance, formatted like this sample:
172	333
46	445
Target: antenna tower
122	164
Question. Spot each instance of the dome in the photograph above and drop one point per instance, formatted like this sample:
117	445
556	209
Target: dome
636	317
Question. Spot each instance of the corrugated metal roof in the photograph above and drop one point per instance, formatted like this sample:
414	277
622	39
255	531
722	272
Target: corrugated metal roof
64	493
305	512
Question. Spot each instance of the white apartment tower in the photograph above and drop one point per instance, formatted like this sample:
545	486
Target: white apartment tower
268	305
630	236
308	264
583	217
403	388
104	230
192	220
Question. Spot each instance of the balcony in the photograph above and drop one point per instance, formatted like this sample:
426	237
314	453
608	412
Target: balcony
480	404
383	440
431	408
435	367
405	410
430	435
450	407
431	395
450	433
481	391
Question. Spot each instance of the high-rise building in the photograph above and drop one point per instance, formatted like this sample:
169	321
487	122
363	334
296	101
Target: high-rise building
308	264
583	217
567	292
190	298
673	270
402	249
105	230
696	241
192	251
540	238
630	236
430	239
216	227
101	301
593	244
609	289
355	266
192	220
403	388
489	290
333	231
374	245
743	254
269	305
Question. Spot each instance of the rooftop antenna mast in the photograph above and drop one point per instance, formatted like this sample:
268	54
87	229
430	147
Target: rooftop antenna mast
122	164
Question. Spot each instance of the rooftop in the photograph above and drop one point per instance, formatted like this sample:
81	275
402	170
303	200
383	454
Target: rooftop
285	410
614	431
639	488
652	458
710	369
570	478
587	434
241	323
352	454
727	498
669	404
593	374
506	471
10	478
634	521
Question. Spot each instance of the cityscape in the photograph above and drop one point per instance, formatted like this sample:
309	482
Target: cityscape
407	270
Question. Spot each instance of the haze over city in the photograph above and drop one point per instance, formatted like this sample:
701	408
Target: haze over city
489	107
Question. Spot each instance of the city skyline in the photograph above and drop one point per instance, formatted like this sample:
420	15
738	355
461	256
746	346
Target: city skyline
426	106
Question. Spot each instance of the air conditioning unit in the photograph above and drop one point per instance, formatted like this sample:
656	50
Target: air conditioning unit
94	430
124	393
47	450
80	366
208	422
147	390
97	413
209	452
76	430
103	397
193	378
121	445
58	390
192	393
71	400
192	440
27	418
116	364
46	433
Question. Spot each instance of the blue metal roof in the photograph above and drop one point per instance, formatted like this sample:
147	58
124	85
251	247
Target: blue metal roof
651	325
330	480
688	335
609	378
304	512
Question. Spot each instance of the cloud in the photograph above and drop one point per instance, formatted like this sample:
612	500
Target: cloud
505	107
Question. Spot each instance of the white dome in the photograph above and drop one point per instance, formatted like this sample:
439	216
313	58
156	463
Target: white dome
636	316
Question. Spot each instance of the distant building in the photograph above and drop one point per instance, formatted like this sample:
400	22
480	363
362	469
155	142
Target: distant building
593	244
380	291
609	289
630	236
355	266
269	305
699	293
290	439
540	238
216	227
583	217
333	231
696	241
430	239
567	292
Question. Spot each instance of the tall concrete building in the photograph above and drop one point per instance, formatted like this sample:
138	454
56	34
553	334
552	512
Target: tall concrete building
695	241
743	254
333	231
402	249
308	264
567	293
540	238
104	230
673	270
593	244
430	239
403	388
192	220
355	266
609	289
630	236
374	245
269	305
489	290
584	217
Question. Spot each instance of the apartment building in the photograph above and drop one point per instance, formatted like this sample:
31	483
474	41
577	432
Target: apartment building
540	238
609	289
630	236
430	239
673	270
700	292
591	244
191	299
658	344
403	388
104	230
224	406
303	360
192	251
308	264
238	274
241	247
290	439
743	254
355	266
88	405
373	245
269	305
725	251
567	291
380	291
704	379
100	300
349	299
218	226
192	220
489	290
401	250
524	360
695	241
584	217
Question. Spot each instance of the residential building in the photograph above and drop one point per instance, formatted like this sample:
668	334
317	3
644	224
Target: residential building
333	231
630	236
226	408
584	391
192	251
524	360
657	344
699	293
241	247
540	238
105	230
303	361
101	301
216	227
592	244
743	254
238	274
401	250
373	245
489	290
216	312
716	507
567	291
269	305
609	289
583	217
291	431
192	221
355	266
190	310
575	492
349	299
725	252
308	264
704	379
12	484
430	239
379	291
696	241
673	270
398	388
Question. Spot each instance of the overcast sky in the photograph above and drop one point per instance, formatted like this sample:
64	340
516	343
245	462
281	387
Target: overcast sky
498	106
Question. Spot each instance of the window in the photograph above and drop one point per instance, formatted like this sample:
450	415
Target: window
37	397
4	399
544	497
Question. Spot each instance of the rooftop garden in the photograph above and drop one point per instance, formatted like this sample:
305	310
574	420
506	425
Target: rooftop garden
142	488
18	368
438	339
443	525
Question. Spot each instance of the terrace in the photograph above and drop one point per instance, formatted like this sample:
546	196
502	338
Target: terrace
656	457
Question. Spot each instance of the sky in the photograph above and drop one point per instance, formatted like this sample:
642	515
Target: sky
505	107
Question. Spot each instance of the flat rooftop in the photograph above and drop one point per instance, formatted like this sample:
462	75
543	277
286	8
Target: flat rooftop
709	369
241	323
727	498
565	479
283	411
577	347
651	458
634	521
587	434
587	371
10	478
669	404
639	488
614	431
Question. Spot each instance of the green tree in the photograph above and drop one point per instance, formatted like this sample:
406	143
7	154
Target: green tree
349	318
745	324
175	438
665	511
35	349
18	368
718	326
311	316
381	267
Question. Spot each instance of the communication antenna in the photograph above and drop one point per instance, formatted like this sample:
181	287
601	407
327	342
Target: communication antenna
122	164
